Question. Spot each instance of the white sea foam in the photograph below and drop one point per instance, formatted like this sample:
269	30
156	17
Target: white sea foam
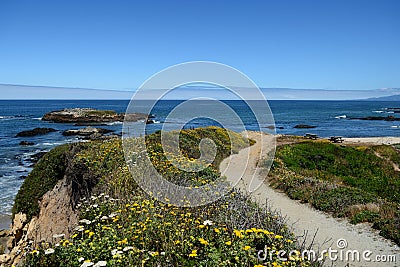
52	144
378	111
341	117
115	123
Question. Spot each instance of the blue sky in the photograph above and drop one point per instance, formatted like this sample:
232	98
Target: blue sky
119	44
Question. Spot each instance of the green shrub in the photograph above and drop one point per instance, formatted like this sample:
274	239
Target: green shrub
333	178
365	216
44	176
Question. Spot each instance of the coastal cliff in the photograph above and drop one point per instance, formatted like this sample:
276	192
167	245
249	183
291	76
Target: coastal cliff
45	205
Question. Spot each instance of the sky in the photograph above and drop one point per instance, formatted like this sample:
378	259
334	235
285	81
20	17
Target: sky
337	45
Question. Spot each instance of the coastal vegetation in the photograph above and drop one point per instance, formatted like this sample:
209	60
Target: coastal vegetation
47	172
357	182
120	225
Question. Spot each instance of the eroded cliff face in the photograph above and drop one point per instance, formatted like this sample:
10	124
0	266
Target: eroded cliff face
57	214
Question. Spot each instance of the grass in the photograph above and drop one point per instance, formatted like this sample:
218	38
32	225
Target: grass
123	226
347	181
100	113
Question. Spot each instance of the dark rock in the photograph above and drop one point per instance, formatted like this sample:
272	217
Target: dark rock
304	126
373	118
133	117
148	121
23	177
36	131
89	124
88	131
4	233
36	157
26	143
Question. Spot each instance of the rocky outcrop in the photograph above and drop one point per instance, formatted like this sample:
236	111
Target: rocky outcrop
55	204
88	131
304	126
57	214
36	131
88	115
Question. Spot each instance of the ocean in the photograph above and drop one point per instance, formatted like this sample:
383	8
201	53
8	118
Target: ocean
329	117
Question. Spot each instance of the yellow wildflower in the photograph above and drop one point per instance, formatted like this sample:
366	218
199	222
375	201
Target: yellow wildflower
193	254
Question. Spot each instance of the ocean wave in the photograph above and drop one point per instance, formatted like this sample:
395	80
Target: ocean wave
378	111
38	119
341	117
52	144
395	126
115	123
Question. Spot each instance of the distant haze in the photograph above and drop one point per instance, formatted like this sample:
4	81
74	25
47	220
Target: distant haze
14	92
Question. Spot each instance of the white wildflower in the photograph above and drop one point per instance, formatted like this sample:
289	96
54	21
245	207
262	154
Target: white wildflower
85	221
49	251
87	264
104	218
81	259
100	264
95	205
79	228
127	248
208	222
115	252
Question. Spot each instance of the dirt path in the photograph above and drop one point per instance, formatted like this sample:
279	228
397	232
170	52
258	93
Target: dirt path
240	169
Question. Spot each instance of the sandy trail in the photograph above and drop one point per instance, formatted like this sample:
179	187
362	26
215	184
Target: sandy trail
387	140
240	169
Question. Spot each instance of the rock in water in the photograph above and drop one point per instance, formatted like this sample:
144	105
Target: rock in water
87	131
372	118
304	126
36	131
26	143
88	115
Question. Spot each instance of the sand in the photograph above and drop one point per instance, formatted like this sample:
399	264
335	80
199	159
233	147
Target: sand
301	217
387	140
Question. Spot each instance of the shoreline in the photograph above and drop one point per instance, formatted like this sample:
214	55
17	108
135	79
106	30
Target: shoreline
385	140
373	140
5	222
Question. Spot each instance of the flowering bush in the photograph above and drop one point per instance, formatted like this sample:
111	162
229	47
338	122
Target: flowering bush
125	227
